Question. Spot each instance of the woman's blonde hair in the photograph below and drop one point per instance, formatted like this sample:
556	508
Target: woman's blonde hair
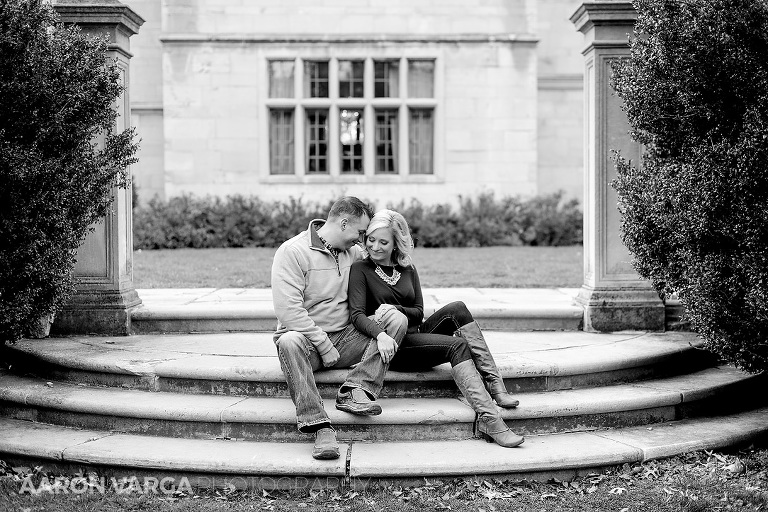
401	234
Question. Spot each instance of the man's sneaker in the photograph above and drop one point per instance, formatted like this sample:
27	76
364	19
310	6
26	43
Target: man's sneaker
326	446
356	401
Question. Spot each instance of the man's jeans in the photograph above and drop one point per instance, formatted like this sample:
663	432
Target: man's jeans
299	360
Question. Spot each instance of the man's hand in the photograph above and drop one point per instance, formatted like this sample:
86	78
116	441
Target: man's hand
330	358
387	347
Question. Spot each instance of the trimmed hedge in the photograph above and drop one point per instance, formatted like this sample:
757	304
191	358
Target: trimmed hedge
695	210
238	221
58	89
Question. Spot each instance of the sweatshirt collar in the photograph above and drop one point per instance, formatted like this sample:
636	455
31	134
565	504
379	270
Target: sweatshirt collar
314	238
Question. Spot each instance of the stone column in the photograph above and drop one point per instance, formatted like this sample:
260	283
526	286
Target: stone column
105	294
613	295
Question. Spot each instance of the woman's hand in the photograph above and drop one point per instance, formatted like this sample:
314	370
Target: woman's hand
387	347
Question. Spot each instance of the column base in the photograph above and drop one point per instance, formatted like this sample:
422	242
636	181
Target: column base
621	309
93	312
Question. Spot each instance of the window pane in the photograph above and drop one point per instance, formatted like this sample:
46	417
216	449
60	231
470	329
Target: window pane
351	138
421	141
386	141
351	78
317	141
281	79
315	79
421	78
281	139
386	79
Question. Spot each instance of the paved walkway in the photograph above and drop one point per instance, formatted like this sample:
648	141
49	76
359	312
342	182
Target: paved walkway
261	298
250	309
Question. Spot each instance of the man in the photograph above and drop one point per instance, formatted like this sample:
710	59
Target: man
310	273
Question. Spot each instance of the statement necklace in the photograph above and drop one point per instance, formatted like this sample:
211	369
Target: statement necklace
391	281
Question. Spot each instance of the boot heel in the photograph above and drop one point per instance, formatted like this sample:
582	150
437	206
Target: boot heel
488	439
505	438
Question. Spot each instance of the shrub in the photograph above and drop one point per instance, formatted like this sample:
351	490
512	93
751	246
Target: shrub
694	212
548	220
57	91
238	221
487	221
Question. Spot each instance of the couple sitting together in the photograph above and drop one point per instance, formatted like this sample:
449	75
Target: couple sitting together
341	306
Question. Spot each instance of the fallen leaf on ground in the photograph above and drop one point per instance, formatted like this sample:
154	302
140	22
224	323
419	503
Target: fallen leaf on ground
716	455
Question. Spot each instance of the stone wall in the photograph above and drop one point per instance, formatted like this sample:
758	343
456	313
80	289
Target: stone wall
560	100
508	93
342	17
147	101
485	135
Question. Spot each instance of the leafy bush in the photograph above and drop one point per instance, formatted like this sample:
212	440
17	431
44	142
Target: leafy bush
57	91
695	212
238	221
486	221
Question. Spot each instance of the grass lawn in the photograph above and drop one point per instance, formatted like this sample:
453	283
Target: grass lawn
480	267
698	481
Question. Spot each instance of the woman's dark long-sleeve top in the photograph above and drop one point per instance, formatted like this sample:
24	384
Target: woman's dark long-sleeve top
367	291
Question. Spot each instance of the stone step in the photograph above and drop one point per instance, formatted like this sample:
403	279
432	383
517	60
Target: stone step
712	390
246	363
216	463
248	309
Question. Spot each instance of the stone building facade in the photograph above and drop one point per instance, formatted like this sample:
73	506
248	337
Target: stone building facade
387	100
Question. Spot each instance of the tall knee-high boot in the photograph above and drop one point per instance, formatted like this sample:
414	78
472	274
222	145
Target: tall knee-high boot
486	365
489	421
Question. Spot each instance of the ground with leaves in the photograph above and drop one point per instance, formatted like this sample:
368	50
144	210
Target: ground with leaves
698	481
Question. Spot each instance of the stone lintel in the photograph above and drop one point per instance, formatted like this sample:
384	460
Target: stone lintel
621	309
561	82
240	38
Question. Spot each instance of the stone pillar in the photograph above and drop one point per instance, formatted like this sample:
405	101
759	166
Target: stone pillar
613	295
105	294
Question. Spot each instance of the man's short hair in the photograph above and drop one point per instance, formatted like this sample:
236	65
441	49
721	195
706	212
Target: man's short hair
350	206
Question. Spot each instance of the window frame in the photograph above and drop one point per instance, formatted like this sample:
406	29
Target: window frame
368	104
384	160
351	81
288	160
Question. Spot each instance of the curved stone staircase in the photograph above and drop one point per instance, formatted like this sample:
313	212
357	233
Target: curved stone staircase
214	407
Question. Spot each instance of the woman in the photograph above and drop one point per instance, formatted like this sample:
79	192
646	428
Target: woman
387	279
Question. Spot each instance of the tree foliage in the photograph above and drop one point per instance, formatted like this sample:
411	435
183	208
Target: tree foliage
59	156
695	211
